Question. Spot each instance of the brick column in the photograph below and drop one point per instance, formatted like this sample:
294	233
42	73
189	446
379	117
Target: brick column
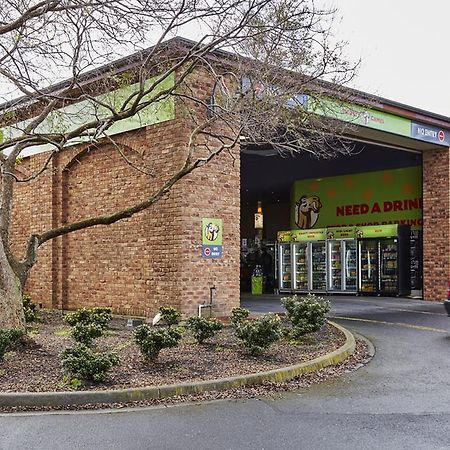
436	224
211	192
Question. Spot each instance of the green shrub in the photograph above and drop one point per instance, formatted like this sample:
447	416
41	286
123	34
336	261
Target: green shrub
88	324
170	315
29	309
7	339
307	313
152	340
98	316
84	363
238	315
258	335
86	333
202	328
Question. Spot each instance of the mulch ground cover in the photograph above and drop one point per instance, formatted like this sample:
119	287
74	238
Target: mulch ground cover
35	366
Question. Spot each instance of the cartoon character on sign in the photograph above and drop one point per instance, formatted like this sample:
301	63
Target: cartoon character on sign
211	232
307	211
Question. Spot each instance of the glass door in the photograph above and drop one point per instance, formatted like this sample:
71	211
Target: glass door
285	256
389	266
301	266
368	266
319	266
349	250
335	265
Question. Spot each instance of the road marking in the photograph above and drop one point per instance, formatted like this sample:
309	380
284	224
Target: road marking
414	311
390	306
399	324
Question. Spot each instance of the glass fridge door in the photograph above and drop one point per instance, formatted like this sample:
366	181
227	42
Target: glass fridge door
368	266
389	269
285	256
335	265
301	266
350	266
318	262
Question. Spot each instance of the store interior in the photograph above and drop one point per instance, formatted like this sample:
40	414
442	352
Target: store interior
266	181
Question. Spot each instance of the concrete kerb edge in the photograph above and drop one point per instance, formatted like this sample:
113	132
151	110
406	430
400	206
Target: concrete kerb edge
38	399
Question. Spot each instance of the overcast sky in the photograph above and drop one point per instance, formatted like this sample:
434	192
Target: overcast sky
403	47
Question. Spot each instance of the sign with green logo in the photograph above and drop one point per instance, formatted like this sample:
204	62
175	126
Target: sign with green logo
309	235
377	231
212	238
284	236
364	199
341	233
72	116
360	115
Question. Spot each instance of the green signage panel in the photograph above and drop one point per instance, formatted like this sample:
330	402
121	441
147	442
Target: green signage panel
364	199
359	115
284	236
75	115
212	231
341	233
212	238
377	231
309	235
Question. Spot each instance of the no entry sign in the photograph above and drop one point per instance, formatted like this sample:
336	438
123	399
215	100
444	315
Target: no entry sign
212	238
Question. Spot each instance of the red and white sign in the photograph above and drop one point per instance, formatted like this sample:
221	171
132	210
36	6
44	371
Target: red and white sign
441	136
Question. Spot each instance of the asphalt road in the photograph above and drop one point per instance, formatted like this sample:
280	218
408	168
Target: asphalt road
400	400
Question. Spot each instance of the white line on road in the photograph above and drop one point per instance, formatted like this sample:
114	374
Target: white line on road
399	324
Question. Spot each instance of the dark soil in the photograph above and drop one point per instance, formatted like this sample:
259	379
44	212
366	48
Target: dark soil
35	364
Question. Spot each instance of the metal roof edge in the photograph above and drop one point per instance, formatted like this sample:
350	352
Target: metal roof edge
355	95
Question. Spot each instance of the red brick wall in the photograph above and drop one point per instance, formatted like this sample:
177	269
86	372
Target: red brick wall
436	221
211	192
141	263
32	213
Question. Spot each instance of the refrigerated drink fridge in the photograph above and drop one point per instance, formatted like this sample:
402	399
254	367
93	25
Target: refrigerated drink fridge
384	260
284	267
368	266
302	261
341	260
309	260
318	267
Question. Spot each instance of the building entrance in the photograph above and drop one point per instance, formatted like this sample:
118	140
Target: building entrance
328	224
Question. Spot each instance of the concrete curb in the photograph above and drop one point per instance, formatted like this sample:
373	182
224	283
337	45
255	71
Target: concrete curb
157	392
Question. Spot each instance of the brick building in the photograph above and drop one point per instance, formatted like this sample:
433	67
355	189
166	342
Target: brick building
155	257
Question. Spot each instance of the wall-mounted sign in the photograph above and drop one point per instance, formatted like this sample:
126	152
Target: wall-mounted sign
360	115
259	221
212	238
429	133
377	231
309	235
371	198
70	117
284	236
341	233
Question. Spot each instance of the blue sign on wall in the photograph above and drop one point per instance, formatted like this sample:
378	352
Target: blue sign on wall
428	133
212	251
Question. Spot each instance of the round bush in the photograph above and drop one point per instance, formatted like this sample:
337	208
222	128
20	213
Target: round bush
203	329
307	314
152	340
258	335
84	363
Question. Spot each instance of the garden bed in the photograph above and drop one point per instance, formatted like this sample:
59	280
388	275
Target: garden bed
35	365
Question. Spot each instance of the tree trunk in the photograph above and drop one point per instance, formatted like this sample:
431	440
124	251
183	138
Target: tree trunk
11	308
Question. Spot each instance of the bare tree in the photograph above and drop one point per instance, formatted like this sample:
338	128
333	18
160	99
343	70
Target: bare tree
263	57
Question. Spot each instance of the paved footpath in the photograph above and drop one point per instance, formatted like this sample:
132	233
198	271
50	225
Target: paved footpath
401	400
